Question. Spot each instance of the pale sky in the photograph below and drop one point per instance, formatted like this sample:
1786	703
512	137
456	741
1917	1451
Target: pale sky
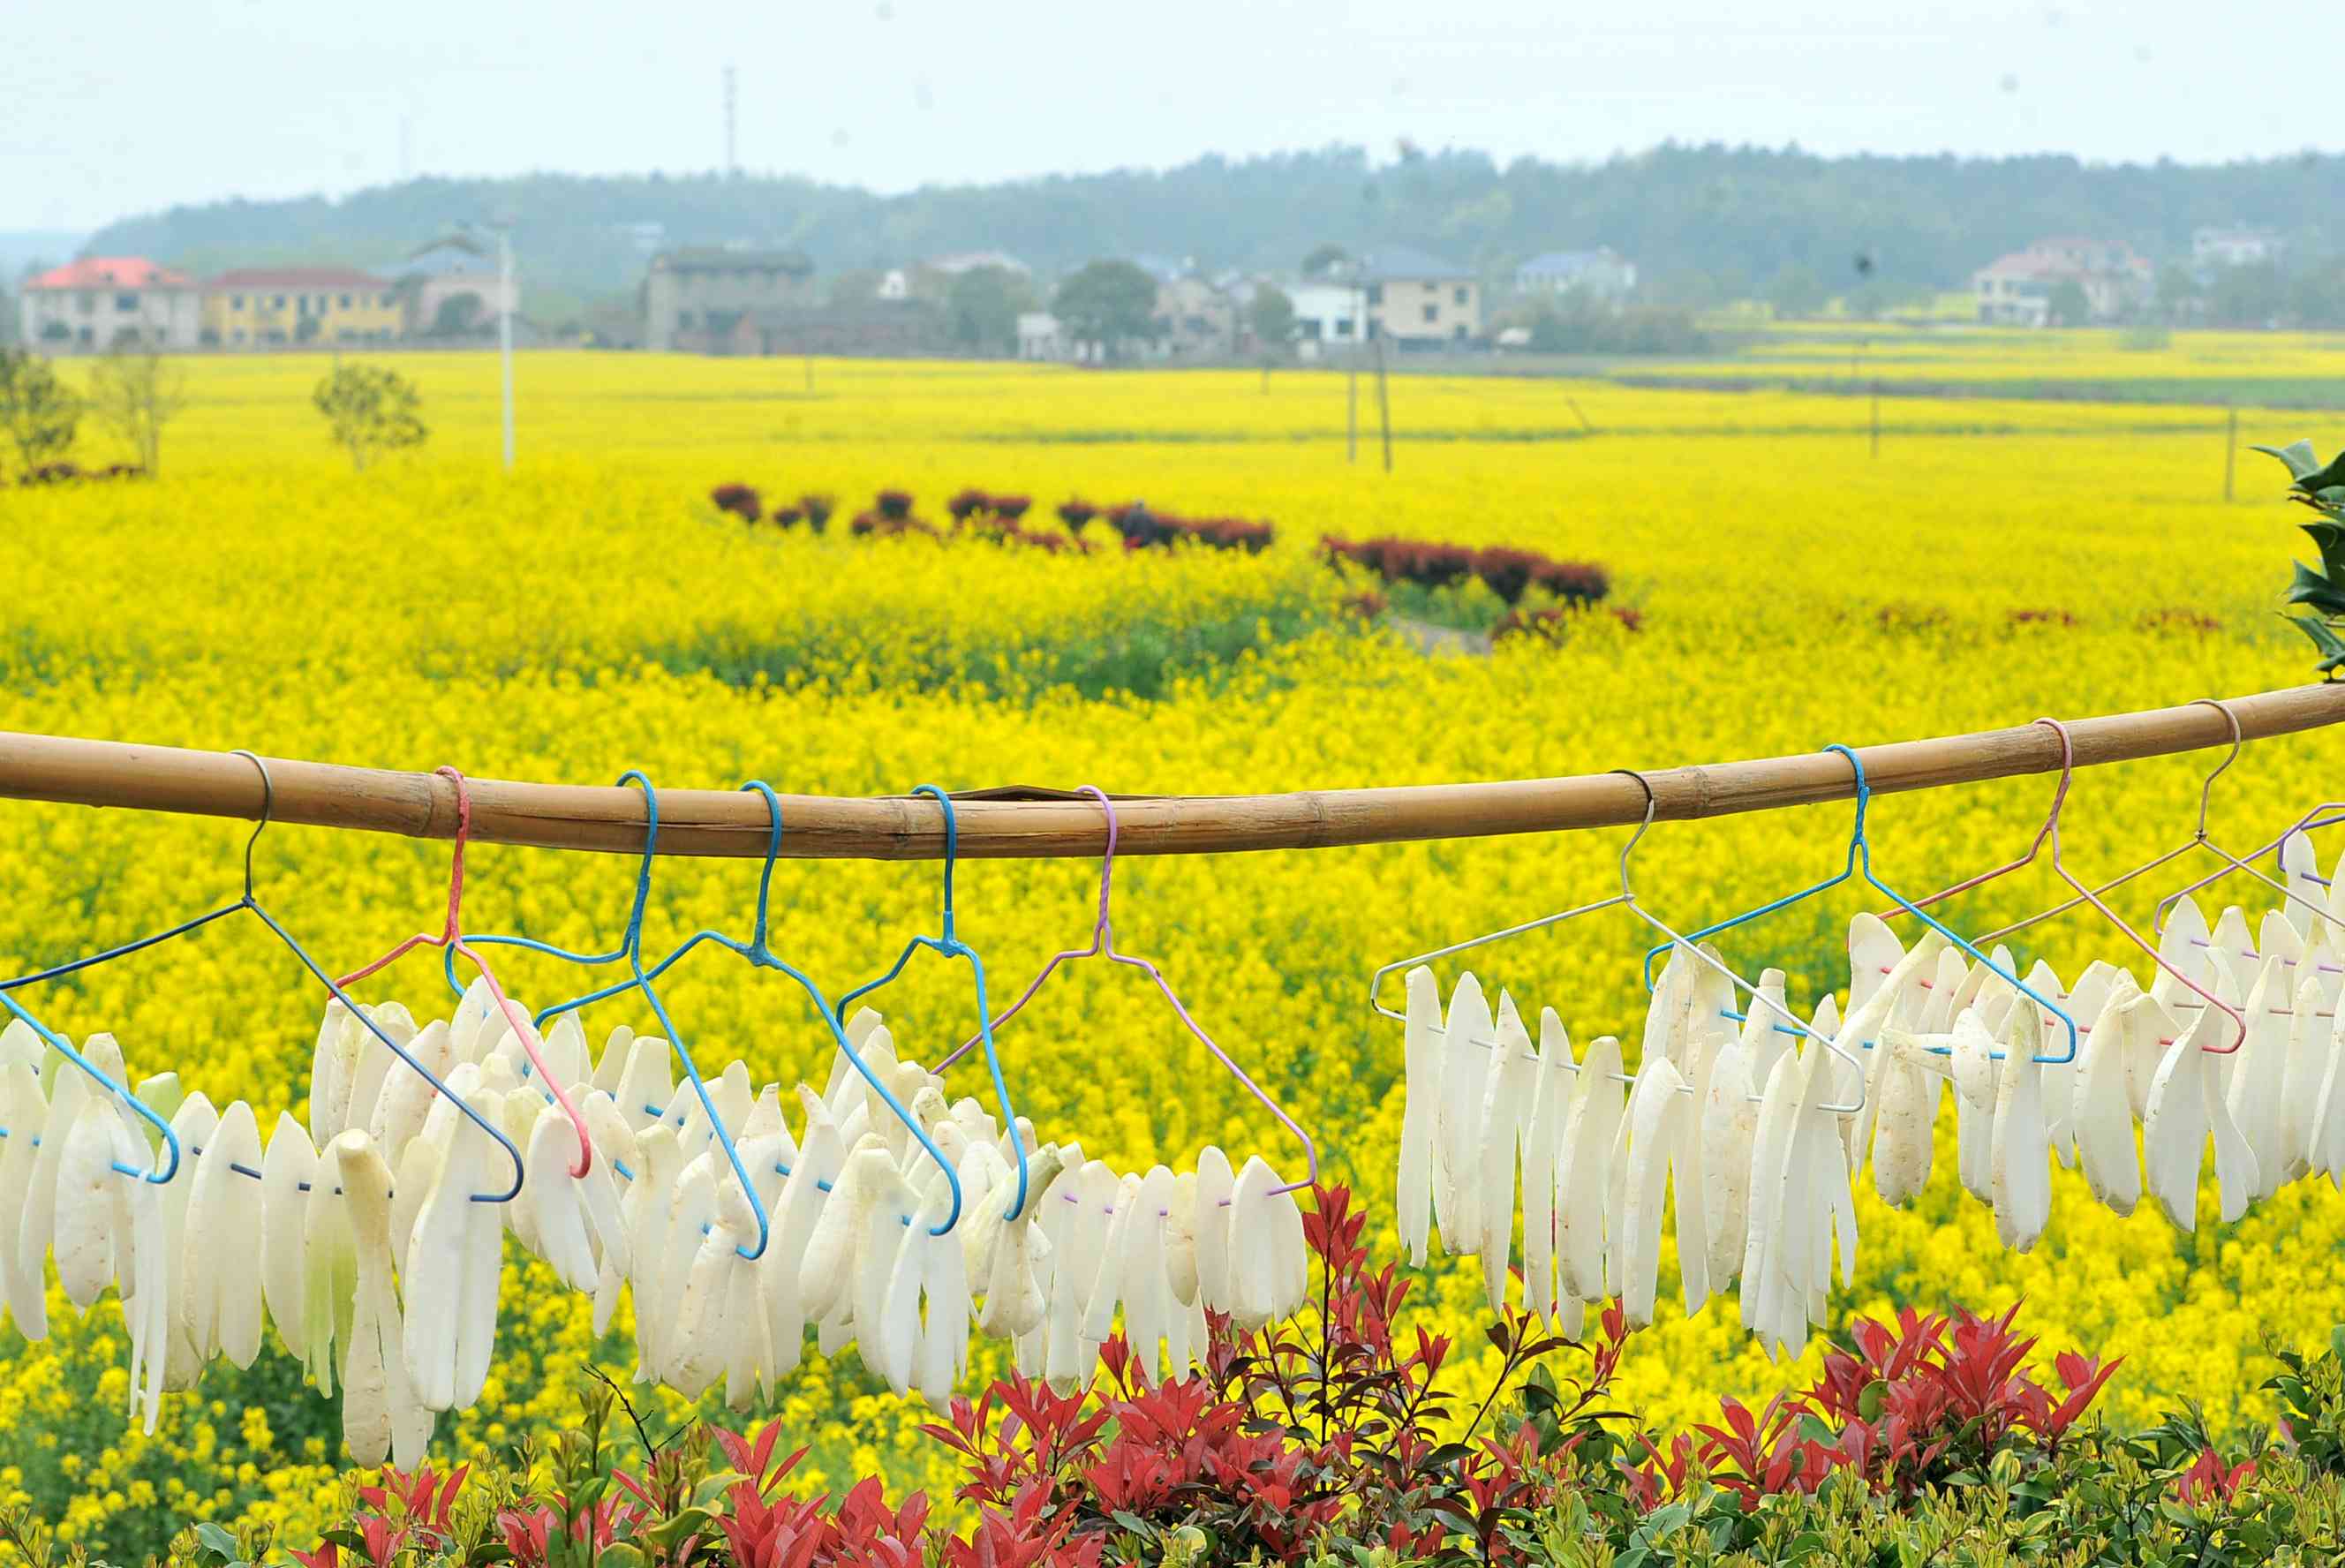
114	109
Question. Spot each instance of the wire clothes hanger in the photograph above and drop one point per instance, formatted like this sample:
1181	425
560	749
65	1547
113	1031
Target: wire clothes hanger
631	951
2051	829
244	902
1860	864
949	944
450	939
2231	862
2198	840
757	951
1104	946
1626	899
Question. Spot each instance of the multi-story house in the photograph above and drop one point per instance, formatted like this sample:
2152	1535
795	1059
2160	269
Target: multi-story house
2018	288
92	305
1599	274
451	289
693	300
267	306
2237	246
1415	299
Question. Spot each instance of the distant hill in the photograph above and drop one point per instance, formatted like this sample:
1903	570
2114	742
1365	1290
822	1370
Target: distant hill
20	247
1701	221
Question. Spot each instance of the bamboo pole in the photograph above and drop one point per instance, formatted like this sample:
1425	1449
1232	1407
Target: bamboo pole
1028	824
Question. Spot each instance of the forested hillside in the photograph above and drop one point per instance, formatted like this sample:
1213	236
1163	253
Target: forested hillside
1703	221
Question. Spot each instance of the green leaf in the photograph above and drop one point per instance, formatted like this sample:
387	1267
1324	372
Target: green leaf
492	1552
1870	1399
216	1539
2332	647
2329	535
2309	587
2297	455
1134	1523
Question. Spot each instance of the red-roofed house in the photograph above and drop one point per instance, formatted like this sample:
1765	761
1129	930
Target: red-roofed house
254	306
2018	288
91	305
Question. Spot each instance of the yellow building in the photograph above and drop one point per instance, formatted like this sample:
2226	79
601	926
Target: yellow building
269	307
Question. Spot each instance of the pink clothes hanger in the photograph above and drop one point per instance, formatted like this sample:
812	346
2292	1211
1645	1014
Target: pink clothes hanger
1104	946
451	937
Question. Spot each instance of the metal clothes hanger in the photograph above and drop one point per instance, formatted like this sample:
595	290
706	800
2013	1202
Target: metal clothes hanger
1627	899
1860	862
246	901
1860	849
2198	840
761	956
450	939
1104	946
2230	862
2051	829
950	945
631	950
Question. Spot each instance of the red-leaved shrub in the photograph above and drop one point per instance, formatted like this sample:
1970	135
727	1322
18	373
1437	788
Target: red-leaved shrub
740	500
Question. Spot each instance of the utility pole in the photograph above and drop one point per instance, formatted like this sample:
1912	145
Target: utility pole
1384	403
505	327
732	100
1352	405
2230	454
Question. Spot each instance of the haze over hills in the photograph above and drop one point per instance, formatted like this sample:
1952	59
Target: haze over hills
1701	221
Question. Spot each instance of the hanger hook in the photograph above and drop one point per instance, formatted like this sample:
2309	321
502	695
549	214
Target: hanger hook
1856	839
1643	828
463	838
634	939
952	848
2207	789
773	853
2051	828
1107	860
268	810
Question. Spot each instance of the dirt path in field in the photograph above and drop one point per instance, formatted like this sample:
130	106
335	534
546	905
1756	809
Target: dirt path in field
1428	638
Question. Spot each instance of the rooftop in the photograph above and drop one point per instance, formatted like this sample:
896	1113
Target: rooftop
111	272
296	277
1400	262
710	259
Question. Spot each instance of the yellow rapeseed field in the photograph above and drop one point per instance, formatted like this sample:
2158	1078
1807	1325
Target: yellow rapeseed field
591	611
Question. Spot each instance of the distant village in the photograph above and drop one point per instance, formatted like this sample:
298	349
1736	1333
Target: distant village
744	300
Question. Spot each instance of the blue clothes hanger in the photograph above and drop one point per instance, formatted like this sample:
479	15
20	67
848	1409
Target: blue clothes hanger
950	945
758	952
631	950
246	901
1860	864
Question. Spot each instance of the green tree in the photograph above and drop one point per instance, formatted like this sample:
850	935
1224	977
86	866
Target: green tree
1796	291
2068	304
1272	316
458	315
2254	296
371	411
1325	259
1109	303
135	391
983	305
37	410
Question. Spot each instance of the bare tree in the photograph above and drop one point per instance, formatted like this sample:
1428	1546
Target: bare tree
37	410
133	391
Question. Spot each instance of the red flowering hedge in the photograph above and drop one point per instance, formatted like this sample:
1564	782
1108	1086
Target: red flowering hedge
1507	572
1339	1437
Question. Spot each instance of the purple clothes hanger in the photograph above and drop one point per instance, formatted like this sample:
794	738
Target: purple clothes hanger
1104	946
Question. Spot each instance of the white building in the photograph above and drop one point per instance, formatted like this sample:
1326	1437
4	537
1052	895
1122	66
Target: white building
1039	336
1328	316
2237	246
963	261
1599	274
91	305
